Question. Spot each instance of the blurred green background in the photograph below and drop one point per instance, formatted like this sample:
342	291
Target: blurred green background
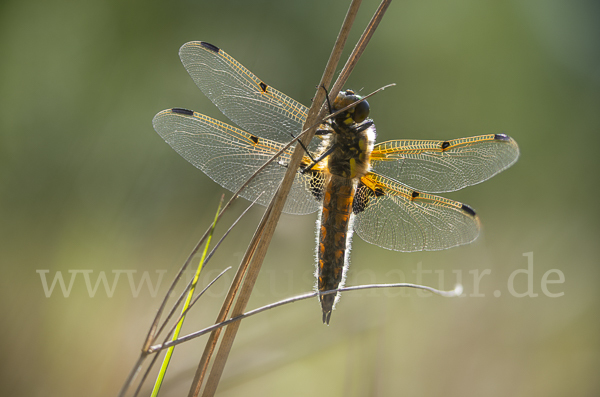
86	184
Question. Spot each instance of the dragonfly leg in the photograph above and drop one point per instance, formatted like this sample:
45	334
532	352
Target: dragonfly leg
327	98
317	160
364	126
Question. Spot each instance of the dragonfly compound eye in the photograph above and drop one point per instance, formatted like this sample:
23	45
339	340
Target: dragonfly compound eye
344	99
361	112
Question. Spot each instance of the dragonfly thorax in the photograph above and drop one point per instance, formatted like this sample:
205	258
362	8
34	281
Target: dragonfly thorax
350	139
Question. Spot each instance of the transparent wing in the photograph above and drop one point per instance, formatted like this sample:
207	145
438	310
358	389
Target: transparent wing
229	156
241	96
396	217
444	166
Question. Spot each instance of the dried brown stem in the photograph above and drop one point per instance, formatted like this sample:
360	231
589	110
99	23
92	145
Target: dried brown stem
257	249
272	215
359	49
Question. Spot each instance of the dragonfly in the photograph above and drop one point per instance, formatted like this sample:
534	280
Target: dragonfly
385	192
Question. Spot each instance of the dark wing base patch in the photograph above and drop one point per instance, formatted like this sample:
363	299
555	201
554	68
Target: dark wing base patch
317	184
364	197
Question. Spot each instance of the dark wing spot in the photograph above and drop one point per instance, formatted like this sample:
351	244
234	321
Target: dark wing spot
414	194
468	210
254	139
263	86
501	137
210	47
183	111
379	192
445	145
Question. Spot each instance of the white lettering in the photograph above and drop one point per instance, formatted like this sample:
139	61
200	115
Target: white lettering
545	281
529	273
476	280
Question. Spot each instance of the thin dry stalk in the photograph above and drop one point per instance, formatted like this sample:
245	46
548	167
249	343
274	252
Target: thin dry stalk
457	291
271	220
359	49
235	284
154	329
170	333
269	223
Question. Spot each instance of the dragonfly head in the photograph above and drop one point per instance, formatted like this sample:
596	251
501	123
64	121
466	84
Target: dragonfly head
358	113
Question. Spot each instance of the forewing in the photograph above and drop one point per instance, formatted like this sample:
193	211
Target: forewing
229	156
444	166
396	217
240	95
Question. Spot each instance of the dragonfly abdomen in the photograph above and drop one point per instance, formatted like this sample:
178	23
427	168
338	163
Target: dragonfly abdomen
335	235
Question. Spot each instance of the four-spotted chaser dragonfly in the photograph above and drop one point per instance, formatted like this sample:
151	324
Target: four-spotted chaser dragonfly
382	191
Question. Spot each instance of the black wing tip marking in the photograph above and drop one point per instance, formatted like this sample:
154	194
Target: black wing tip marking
210	47
415	194
445	144
502	137
254	139
263	87
468	210
183	111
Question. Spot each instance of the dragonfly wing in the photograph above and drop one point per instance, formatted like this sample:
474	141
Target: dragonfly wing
230	156
397	217
444	166
240	95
